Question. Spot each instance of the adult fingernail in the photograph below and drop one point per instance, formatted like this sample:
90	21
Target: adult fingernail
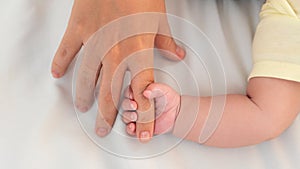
179	51
133	117
55	74
144	136
82	109
102	132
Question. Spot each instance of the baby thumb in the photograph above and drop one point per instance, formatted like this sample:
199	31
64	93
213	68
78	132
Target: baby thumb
155	90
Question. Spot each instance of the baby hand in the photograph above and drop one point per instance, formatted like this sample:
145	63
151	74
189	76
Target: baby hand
167	104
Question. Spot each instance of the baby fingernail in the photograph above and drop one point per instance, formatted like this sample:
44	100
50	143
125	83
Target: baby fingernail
147	93
144	136
133	117
131	127
102	132
133	105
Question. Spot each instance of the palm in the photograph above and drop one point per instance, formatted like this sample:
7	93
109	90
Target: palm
166	111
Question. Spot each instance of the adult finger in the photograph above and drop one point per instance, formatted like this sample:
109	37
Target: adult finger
166	43
141	68
109	95
89	71
86	81
145	110
169	48
67	50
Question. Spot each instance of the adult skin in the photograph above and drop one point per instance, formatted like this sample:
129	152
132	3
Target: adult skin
87	17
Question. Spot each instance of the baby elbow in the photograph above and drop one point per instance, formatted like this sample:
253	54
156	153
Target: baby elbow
278	123
275	132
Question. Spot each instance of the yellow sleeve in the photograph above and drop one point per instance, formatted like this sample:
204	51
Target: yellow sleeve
276	45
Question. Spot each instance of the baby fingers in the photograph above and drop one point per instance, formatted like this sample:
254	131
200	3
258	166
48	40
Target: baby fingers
130	129
129	117
129	105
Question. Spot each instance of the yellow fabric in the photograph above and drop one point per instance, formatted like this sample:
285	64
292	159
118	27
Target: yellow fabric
276	45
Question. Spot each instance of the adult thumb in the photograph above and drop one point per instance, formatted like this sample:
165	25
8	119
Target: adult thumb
168	47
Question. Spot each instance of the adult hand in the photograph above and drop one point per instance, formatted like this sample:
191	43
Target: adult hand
87	27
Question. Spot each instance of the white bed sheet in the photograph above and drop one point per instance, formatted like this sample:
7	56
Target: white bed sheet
39	127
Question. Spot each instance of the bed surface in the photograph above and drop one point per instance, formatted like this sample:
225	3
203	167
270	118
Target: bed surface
40	129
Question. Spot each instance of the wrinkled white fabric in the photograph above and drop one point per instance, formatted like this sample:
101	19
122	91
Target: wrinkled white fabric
38	125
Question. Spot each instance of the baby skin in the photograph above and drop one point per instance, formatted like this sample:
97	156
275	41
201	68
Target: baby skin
270	106
268	109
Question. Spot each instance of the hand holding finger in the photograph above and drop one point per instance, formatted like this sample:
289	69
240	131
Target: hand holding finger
129	105
129	116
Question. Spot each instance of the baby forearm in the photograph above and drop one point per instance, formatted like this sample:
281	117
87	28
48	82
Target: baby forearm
242	123
269	109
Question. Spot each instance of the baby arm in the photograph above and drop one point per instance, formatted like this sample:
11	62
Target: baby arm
265	112
269	108
273	94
